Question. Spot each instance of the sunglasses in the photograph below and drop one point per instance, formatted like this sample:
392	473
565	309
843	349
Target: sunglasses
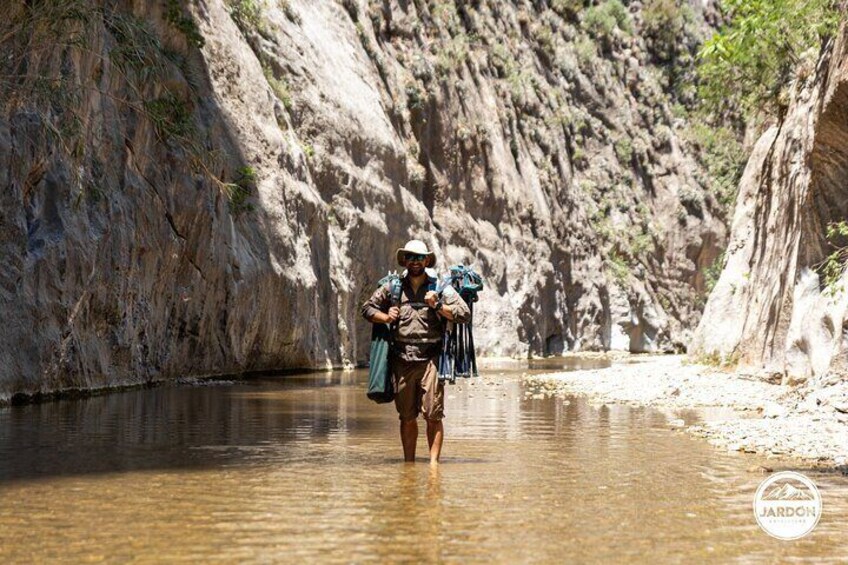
414	257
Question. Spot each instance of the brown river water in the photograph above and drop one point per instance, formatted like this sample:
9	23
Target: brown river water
304	468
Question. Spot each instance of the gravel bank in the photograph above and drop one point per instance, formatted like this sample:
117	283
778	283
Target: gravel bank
809	423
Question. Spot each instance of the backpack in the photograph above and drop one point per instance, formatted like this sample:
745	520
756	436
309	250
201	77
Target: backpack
381	388
458	358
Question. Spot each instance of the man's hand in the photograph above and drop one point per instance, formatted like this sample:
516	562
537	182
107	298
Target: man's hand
393	314
431	298
386	317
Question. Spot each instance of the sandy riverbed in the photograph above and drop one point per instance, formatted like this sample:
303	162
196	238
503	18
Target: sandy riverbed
739	412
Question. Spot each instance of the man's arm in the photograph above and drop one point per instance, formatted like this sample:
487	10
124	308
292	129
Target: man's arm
378	309
453	307
385	317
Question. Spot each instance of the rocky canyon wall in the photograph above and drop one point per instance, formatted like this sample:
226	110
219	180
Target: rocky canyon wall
205	187
773	308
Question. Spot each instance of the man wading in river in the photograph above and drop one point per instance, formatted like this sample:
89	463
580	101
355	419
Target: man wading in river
417	341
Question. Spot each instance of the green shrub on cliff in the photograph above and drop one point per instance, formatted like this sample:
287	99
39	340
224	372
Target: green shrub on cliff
184	24
723	155
544	37
833	266
452	54
567	9
618	267
171	117
137	49
586	52
624	151
713	272
279	86
248	15
665	25
602	20
240	190
751	61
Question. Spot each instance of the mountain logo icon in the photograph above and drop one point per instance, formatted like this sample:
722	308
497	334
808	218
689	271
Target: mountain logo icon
789	491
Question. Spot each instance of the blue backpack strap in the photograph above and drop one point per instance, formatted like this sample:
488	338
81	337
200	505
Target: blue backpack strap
394	282
432	283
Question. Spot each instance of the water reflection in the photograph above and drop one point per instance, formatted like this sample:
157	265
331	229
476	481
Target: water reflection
306	468
161	427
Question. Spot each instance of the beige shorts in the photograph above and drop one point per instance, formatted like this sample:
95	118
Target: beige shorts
418	389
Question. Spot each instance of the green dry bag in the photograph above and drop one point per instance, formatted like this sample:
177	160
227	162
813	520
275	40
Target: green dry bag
381	389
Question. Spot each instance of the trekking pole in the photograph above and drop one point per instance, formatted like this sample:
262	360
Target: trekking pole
445	366
471	341
469	354
463	354
445	359
396	291
460	351
454	349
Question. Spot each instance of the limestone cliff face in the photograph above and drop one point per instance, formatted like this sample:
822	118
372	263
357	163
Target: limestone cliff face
189	196
770	308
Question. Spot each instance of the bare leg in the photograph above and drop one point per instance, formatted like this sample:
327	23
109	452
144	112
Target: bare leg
409	437
435	435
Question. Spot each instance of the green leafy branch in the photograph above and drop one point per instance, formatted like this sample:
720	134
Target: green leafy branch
832	267
748	65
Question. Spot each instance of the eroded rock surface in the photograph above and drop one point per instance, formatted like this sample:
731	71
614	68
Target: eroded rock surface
771	308
503	134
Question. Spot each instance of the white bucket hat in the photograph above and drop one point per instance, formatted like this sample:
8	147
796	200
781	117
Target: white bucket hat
419	248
